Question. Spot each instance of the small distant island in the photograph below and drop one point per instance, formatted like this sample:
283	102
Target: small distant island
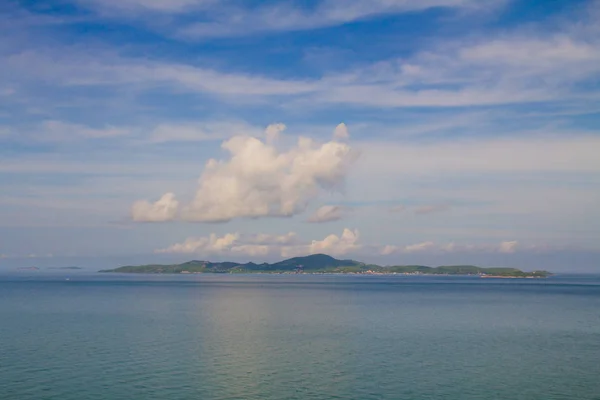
69	268
28	269
323	264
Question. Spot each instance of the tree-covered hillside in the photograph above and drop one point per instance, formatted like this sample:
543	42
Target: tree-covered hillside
321	263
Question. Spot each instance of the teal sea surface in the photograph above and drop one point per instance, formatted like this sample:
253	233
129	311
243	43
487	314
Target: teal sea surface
105	336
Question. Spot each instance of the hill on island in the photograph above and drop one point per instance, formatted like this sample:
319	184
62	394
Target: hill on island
321	263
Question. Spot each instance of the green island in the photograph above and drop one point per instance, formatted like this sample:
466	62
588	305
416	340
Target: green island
323	264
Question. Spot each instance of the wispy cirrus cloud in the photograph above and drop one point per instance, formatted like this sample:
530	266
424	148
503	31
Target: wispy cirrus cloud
482	73
115	8
286	16
48	131
76	68
542	67
327	213
216	18
523	66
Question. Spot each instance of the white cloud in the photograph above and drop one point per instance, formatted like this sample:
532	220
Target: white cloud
334	244
285	17
287	239
289	245
418	247
115	7
431	247
258	180
411	248
534	65
61	131
164	209
210	244
327	213
508	247
341	132
286	245
233	244
273	131
71	67
449	247
560	152
388	249
551	53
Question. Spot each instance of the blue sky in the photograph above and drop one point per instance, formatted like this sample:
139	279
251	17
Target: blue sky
393	131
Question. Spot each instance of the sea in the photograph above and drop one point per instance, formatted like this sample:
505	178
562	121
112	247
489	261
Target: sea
76	336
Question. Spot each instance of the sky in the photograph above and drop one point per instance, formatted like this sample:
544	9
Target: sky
388	131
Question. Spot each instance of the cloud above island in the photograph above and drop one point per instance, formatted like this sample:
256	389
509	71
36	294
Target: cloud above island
347	243
258	180
164	209
504	247
252	245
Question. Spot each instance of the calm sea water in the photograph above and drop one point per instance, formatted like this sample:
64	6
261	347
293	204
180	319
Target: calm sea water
297	337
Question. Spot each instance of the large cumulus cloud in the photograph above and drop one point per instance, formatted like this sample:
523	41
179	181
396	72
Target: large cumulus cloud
258	180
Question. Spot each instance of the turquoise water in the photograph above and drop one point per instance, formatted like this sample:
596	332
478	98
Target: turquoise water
297	337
